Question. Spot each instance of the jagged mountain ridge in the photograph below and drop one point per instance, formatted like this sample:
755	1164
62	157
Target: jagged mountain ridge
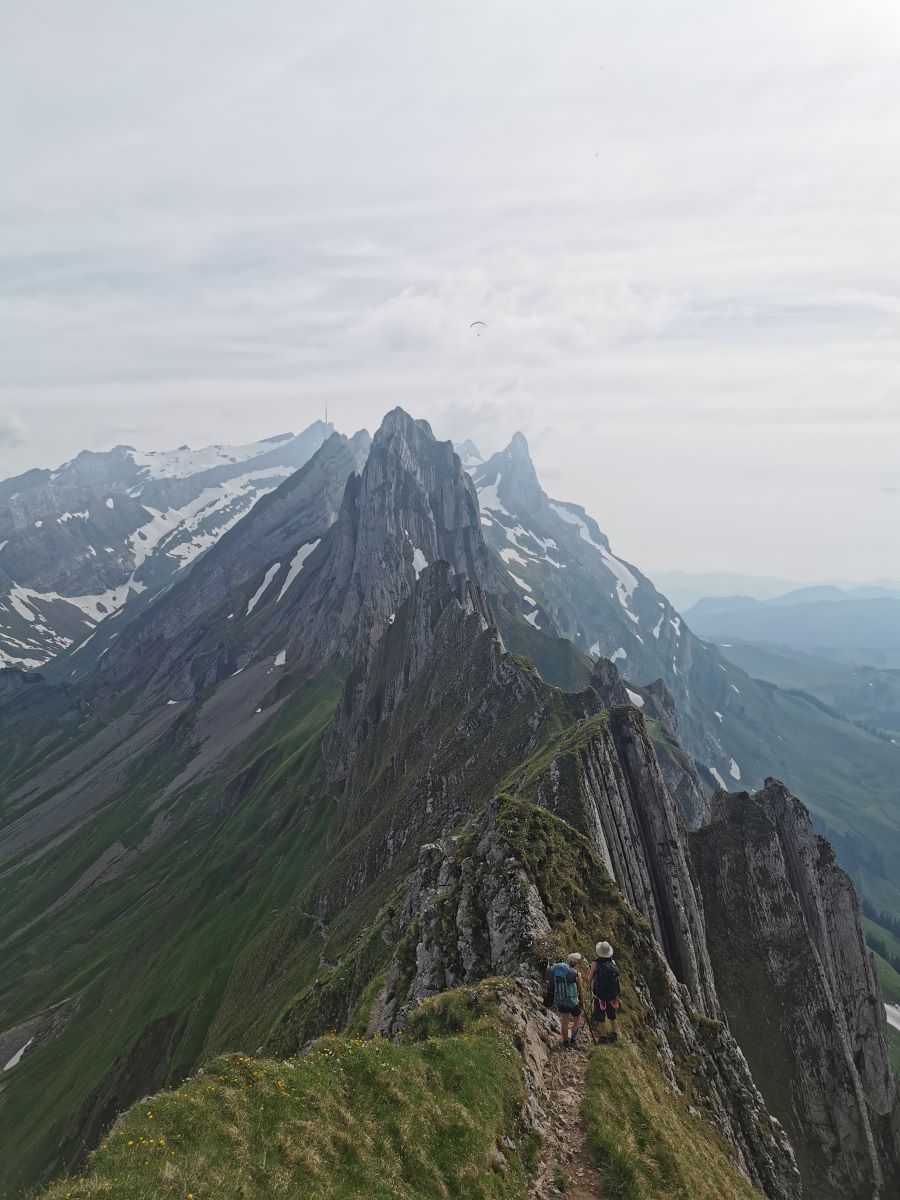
78	543
737	729
253	887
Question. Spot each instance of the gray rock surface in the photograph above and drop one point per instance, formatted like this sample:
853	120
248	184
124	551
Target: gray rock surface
78	543
473	911
799	988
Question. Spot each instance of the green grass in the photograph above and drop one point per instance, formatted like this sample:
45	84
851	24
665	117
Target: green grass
870	695
889	979
351	1118
647	1143
893	1041
156	948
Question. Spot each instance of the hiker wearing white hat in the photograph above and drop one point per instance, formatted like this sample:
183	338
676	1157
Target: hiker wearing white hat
604	980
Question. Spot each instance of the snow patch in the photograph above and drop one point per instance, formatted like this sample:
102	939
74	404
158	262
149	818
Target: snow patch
178	464
719	716
420	562
509	556
257	595
67	516
626	582
297	565
532	618
718	778
515	578
658	626
17	1057
734	689
595	650
280	658
734	770
38	524
109	502
636	700
675	622
489	498
617	654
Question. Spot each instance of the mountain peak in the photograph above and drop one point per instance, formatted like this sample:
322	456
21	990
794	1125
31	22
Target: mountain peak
512	473
518	446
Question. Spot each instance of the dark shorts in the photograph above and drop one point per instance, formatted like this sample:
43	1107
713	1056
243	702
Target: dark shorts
570	1012
600	1014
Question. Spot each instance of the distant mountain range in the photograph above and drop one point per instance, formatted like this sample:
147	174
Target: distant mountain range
80	542
686	588
859	625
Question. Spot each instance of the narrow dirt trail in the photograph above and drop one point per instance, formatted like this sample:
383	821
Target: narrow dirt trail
565	1151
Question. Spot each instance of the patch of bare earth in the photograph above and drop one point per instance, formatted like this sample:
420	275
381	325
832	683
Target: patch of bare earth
567	1168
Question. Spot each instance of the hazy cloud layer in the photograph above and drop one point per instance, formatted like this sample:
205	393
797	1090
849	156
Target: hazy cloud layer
679	221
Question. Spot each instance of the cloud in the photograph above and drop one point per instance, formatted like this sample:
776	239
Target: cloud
13	431
685	259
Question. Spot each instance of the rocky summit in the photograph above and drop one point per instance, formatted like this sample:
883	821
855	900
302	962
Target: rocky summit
287	849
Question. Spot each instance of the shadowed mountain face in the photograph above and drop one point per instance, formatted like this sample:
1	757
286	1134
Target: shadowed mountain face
311	784
78	543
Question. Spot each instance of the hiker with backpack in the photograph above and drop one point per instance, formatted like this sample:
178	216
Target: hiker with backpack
604	980
565	993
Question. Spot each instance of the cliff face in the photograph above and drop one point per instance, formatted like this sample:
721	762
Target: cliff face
799	989
495	900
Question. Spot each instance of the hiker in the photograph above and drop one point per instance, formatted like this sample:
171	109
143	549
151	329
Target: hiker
568	997
604	980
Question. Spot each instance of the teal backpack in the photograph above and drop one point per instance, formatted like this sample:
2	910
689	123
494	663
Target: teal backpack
565	986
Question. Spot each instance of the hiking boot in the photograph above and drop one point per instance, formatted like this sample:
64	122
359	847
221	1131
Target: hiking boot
613	1037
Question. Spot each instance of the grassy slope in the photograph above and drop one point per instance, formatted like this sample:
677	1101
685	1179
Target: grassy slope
866	694
424	1119
350	1119
157	944
889	979
894	1047
887	974
648	1146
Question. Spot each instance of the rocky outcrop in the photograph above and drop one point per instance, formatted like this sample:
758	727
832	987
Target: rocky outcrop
476	908
13	681
162	648
799	988
445	613
29	1035
607	683
606	781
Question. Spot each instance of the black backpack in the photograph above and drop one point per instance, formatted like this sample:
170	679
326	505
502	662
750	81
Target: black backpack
606	979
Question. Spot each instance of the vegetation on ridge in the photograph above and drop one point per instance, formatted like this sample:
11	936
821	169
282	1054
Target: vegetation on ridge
435	1117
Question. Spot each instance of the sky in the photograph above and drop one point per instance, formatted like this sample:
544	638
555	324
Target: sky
680	222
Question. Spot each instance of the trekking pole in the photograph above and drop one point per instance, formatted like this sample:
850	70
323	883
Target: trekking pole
590	1025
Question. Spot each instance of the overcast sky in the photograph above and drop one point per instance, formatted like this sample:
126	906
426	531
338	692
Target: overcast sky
679	220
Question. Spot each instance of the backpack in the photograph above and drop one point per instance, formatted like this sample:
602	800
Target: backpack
606	979
565	986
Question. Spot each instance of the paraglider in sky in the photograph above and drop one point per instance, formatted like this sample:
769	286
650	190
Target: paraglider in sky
474	326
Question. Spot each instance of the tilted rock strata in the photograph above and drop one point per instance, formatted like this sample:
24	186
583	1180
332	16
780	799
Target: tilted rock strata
798	986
